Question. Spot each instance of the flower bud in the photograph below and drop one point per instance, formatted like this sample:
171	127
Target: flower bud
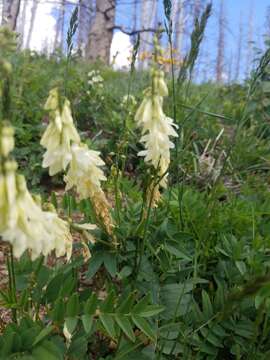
6	140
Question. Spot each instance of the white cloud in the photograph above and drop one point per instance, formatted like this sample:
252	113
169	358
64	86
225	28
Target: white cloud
121	48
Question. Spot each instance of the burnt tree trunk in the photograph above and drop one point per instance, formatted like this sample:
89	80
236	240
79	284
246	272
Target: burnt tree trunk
11	9
101	32
221	44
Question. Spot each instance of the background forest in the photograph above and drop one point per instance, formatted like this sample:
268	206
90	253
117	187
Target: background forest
232	41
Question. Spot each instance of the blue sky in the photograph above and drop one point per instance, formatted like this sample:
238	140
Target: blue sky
233	9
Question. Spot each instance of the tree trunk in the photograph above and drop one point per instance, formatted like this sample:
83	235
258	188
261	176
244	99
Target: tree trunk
220	44
11	9
135	19
178	19
32	22
86	11
250	44
101	32
59	31
22	24
148	12
239	50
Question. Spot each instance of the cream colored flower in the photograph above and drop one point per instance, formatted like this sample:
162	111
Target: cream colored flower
57	159
27	230
86	176
33	229
52	103
2	200
10	211
59	135
22	221
84	172
52	135
156	127
60	230
6	140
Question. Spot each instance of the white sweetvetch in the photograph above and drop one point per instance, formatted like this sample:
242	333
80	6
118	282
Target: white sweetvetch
156	127
85	175
40	232
60	231
58	136
10	213
84	172
57	159
7	140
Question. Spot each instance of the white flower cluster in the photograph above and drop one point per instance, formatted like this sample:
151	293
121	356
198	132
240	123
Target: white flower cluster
83	165
65	150
59	134
128	100
95	79
22	221
156	126
84	172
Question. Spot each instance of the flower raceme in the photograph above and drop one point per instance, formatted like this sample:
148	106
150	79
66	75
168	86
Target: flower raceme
22	221
85	175
156	127
59	134
65	151
34	229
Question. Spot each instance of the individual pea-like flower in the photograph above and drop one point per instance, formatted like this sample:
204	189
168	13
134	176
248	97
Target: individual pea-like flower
52	103
6	140
59	135
8	210
60	230
156	127
84	172
58	158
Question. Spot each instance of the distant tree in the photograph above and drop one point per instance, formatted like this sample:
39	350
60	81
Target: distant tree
267	22
147	20
220	44
85	19
32	22
22	23
250	39
101	31
60	22
135	11
239	50
178	20
10	12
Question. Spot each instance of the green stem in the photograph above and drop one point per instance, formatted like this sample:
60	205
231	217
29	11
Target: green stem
146	224
12	282
179	187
